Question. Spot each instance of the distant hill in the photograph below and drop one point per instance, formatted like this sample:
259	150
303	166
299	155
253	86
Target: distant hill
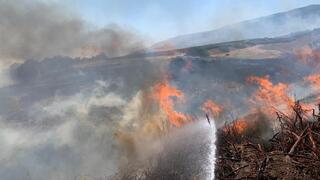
301	19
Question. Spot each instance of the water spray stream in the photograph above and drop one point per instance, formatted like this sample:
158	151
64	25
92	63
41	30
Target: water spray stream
210	134
212	151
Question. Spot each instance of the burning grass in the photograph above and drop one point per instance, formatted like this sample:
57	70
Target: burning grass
163	94
212	108
277	138
291	153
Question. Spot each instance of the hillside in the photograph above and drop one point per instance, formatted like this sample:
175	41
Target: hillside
301	19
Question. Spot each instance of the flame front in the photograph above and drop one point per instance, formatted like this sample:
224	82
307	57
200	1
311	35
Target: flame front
212	108
240	125
314	80
163	94
270	95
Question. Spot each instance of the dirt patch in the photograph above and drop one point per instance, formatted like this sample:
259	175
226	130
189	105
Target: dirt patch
254	52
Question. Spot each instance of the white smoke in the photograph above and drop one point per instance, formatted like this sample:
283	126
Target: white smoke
66	137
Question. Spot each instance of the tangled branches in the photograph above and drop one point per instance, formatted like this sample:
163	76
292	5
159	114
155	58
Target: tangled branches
291	153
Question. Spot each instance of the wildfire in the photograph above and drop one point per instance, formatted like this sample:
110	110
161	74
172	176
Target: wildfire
90	50
238	126
212	108
274	97
163	94
254	122
271	95
314	80
308	56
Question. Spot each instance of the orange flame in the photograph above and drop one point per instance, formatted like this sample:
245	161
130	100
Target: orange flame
308	56
253	123
238	126
271	95
314	80
163	94
212	108
90	50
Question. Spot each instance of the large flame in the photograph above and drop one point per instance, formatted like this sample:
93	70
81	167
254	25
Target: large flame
270	96
212	108
164	94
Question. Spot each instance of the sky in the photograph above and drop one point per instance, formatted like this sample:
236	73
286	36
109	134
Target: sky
162	19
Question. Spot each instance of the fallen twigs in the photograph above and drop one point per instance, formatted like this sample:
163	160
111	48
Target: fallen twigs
290	153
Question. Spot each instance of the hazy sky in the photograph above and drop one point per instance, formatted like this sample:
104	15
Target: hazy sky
160	19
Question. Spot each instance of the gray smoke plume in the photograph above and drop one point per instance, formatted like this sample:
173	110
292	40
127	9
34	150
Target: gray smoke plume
60	117
64	137
36	30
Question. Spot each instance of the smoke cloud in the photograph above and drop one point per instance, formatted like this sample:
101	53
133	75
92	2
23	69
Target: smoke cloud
65	117
68	118
36	30
89	134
